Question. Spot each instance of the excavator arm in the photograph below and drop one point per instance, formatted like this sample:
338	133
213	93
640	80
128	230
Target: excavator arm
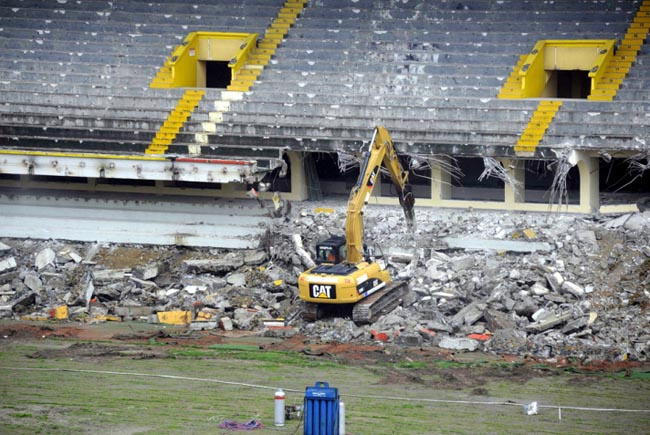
380	151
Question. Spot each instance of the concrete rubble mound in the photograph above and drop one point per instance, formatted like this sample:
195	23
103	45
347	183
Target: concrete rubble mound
545	285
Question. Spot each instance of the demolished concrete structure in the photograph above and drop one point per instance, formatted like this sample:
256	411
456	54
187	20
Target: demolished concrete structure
586	298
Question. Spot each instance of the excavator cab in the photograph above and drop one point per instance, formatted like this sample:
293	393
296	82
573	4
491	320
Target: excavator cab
331	251
334	251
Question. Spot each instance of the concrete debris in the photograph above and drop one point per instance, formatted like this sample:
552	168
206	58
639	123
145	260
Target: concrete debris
579	289
220	266
44	258
547	321
7	264
555	280
300	250
496	245
147	272
255	258
109	275
498	320
225	323
572	288
33	281
457	343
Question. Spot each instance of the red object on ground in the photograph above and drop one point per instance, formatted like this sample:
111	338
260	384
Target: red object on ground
480	337
381	336
427	331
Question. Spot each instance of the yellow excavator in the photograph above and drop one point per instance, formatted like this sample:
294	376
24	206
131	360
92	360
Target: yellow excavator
344	273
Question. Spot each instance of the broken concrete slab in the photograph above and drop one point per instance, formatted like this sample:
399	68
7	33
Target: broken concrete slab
218	266
225	323
575	325
7	264
236	279
538	289
549	321
33	281
4	248
438	326
203	325
573	288
555	280
469	315
255	258
618	222
409	340
496	245
458	343
108	275
247	319
44	258
638	222
147	272
498	320
462	263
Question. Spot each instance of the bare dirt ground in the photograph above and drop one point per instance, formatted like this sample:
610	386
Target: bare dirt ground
103	342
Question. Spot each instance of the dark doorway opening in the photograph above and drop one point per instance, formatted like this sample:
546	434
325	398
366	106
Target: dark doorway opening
333	182
573	84
217	74
624	181
466	186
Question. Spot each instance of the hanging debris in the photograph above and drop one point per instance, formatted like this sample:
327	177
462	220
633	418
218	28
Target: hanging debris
494	169
347	161
419	164
558	193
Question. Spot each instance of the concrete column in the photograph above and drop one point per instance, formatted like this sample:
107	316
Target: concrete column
516	170
298	180
589	183
440	184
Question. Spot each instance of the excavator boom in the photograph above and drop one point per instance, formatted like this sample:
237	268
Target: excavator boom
380	151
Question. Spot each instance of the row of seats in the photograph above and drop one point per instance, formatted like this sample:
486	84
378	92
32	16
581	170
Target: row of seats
75	75
428	71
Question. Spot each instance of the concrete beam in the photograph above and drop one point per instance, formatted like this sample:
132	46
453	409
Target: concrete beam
130	167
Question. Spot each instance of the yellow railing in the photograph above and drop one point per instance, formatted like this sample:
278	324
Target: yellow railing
246	48
600	66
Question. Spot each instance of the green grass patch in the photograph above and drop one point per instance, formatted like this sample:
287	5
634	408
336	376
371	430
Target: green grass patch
410	365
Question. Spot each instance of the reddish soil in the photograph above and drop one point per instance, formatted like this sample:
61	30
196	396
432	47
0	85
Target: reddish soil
353	353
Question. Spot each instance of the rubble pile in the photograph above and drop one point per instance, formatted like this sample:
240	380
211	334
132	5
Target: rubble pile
546	285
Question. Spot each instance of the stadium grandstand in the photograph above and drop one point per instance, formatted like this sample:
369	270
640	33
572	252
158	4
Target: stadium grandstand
503	104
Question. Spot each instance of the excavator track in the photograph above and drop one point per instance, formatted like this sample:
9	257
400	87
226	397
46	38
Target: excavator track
384	301
311	311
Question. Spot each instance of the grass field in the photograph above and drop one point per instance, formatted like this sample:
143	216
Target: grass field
381	397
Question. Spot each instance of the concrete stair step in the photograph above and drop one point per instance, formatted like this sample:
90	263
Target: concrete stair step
600	97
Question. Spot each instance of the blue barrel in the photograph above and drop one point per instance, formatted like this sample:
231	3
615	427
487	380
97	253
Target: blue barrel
321	410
